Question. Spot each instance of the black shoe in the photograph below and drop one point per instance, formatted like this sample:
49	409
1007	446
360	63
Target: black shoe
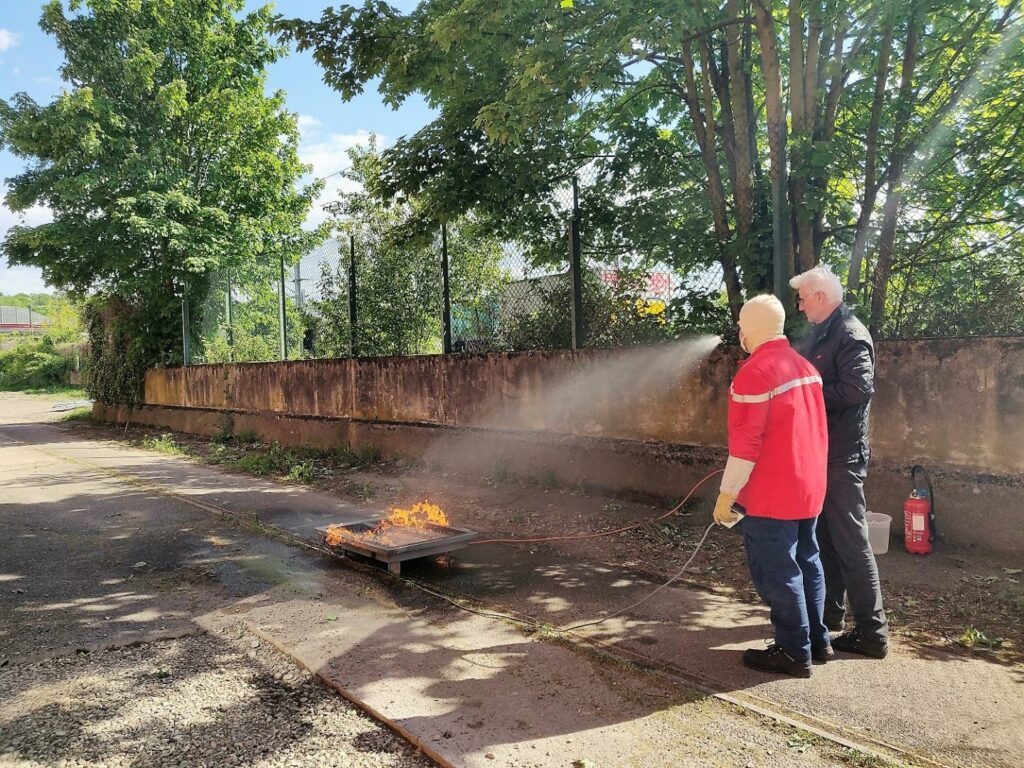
822	654
834	625
854	642
774	659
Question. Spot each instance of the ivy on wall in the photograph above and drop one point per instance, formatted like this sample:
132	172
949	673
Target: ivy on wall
116	366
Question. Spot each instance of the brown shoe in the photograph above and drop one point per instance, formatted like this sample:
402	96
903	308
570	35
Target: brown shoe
774	659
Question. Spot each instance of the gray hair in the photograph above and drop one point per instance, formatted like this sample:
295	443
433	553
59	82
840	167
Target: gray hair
820	278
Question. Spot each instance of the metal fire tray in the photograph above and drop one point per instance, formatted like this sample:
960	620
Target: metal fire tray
404	543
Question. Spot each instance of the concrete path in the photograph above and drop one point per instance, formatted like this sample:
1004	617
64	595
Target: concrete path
468	687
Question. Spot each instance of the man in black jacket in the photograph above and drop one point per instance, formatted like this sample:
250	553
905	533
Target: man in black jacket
840	347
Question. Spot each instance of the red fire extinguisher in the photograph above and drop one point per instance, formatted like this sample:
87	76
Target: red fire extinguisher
919	515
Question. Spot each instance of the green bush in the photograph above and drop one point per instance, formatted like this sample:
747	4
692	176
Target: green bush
275	460
33	365
615	315
164	444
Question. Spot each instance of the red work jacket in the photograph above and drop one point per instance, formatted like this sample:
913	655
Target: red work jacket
777	424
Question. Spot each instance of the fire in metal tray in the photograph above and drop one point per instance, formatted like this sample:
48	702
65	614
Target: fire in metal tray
402	526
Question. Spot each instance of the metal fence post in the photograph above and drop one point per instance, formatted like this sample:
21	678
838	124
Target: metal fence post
298	284
228	308
353	349
186	331
281	315
575	270
446	318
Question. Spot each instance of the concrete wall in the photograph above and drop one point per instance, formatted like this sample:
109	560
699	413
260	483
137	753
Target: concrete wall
951	401
644	420
671	395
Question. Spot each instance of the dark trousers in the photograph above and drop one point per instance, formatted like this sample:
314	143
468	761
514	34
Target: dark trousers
786	571
846	556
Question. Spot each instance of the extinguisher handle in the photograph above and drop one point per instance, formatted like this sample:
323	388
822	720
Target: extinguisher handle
931	495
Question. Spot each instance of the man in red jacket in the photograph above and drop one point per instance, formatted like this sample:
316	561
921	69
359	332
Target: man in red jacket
778	452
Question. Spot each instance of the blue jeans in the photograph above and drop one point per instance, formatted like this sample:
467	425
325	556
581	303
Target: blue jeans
786	571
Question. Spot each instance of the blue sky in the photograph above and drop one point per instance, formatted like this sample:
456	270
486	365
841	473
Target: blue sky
29	61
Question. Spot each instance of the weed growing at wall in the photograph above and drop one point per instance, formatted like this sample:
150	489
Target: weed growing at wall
301	472
357	456
274	461
225	428
163	444
78	414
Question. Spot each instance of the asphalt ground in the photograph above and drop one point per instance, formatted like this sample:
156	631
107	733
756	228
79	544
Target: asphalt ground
116	546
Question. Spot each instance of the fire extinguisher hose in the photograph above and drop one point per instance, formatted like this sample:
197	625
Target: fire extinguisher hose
644	599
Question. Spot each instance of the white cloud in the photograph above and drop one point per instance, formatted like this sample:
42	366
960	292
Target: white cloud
308	126
328	156
33	217
22	279
7	39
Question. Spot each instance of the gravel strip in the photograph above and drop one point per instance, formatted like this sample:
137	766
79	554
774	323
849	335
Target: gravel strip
198	701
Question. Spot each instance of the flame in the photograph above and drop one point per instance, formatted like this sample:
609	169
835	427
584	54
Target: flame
419	516
334	535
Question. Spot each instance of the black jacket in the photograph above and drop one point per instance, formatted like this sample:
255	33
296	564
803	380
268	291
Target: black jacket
842	351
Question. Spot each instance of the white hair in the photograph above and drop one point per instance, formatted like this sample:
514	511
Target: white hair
820	278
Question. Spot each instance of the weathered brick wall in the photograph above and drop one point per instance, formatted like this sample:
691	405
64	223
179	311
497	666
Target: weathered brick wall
953	402
650	419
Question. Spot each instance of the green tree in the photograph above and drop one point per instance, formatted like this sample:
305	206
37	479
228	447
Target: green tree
398	274
254	333
39	302
46	359
398	269
163	161
719	132
327	315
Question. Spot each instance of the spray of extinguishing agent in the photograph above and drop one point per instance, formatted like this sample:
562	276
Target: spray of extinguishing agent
919	515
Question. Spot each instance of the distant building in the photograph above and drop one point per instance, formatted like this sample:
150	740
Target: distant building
21	320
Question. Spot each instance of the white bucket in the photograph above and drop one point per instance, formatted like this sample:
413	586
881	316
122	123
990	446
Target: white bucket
878	532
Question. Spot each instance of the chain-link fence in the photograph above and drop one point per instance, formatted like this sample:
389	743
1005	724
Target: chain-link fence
572	280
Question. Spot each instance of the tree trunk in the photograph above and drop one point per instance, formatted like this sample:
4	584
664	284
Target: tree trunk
887	236
867	206
783	254
716	192
743	185
748	94
720	81
830	76
802	73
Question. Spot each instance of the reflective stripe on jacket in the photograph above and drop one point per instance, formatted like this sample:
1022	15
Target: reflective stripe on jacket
777	427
